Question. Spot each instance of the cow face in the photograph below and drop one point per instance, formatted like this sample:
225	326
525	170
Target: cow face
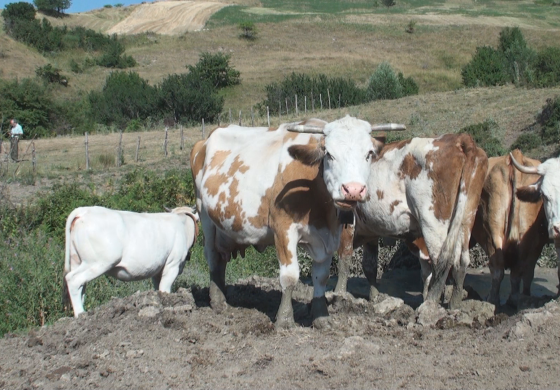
346	151
547	188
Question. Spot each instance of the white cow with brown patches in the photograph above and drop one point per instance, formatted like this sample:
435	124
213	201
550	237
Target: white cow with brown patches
426	192
284	187
127	246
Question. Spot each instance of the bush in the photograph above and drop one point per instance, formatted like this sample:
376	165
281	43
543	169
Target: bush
13	12
519	58
248	30
409	86
343	92
189	99
484	136
125	96
487	68
384	84
31	104
527	141
547	67
51	74
215	69
114	56
549	119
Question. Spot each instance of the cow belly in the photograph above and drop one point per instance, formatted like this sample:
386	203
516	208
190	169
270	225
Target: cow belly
386	220
228	240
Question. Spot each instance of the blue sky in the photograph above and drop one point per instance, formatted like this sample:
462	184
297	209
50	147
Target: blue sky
84	5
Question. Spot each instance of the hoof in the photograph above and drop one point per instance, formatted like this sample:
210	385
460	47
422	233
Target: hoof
285	323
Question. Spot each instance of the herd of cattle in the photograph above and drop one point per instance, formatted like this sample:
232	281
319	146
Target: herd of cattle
301	184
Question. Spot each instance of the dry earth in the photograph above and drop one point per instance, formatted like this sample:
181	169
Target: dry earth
173	341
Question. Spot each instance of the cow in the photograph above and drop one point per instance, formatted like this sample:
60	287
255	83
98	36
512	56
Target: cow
127	246
518	215
424	191
282	187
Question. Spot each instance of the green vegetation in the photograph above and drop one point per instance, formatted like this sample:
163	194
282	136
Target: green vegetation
336	92
52	6
50	74
32	247
484	134
248	30
512	62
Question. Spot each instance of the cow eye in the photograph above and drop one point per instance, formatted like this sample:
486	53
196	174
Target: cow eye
329	156
369	155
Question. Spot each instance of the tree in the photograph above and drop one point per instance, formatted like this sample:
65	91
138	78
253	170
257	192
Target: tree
215	68
15	12
52	6
248	30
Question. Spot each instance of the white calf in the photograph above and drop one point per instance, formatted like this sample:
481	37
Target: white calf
126	245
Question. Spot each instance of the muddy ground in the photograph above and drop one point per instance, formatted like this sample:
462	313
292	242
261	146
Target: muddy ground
174	341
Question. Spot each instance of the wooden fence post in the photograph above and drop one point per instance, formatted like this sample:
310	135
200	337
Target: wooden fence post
165	142
280	110
230	119
287	112
203	130
329	94
312	103
305	105
119	151
33	159
239	117
182	139
252	118
138	148
321	100
268	116
87	152
297	111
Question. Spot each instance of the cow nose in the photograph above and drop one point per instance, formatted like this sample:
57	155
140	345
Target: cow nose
354	191
556	230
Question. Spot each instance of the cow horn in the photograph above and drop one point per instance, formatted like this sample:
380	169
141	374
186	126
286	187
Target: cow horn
296	127
523	168
388	127
167	209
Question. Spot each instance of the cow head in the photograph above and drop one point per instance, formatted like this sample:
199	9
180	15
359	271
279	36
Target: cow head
546	187
346	151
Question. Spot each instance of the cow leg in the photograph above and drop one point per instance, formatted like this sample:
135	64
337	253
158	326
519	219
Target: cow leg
515	279
168	276
369	265
320	276
286	248
557	245
345	252
458	272
156	280
216	264
76	280
426	271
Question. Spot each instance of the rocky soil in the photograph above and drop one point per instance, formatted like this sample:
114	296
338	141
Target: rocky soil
153	340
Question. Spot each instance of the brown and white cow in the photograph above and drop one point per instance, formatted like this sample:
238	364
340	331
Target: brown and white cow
284	187
512	229
426	192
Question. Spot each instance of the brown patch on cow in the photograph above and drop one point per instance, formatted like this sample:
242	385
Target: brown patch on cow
391	146
528	194
419	248
409	167
219	157
213	183
380	194
197	157
237	166
394	204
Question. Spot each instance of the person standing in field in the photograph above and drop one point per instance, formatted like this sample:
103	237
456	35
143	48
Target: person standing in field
16	132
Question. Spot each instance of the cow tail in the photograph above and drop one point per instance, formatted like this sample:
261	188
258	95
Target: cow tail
67	260
453	243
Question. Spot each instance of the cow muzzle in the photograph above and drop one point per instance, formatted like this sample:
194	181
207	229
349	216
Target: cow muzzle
352	194
556	232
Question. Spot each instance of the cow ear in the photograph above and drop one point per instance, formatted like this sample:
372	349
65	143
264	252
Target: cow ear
378	143
307	154
531	193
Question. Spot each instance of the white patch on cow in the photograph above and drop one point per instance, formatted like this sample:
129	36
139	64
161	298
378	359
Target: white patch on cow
550	190
289	274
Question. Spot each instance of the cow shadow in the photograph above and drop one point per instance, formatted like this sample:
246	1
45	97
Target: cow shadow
264	300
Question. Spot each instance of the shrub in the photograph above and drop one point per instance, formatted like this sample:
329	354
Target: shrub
189	99
409	86
343	92
75	67
527	141
519	58
51	74
13	12
547	67
384	83
389	3
484	135
114	56
487	68
248	30
29	102
125	96
215	69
